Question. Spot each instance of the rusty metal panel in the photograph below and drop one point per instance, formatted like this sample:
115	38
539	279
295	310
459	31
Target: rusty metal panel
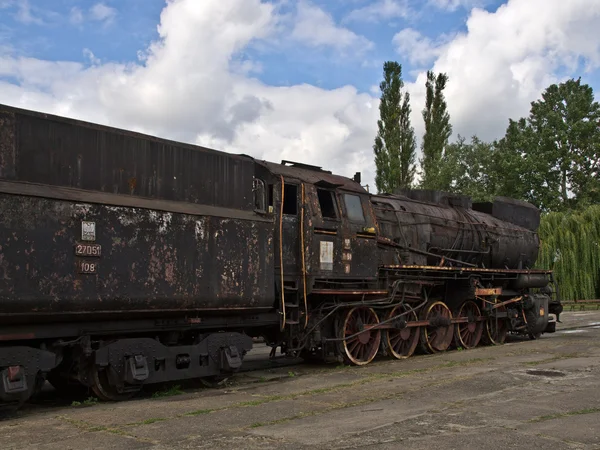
8	146
511	210
313	177
426	232
484	292
139	260
63	152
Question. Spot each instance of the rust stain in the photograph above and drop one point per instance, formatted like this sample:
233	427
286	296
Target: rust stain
132	183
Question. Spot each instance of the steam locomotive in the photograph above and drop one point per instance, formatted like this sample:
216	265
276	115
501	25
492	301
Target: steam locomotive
128	260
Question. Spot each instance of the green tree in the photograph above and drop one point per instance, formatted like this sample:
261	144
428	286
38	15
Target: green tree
469	169
395	144
437	130
552	158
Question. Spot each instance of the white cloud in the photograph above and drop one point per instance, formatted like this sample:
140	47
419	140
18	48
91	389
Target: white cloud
193	83
103	13
192	86
506	59
381	10
418	49
453	5
25	14
89	55
316	28
76	16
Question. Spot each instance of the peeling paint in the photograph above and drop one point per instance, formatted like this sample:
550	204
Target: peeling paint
148	261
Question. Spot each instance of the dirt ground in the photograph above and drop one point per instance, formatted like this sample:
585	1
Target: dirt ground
525	394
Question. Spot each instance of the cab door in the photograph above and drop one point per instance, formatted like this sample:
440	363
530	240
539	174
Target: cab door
359	246
290	229
326	225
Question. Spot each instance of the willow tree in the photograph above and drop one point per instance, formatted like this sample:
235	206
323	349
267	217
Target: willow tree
395	143
570	246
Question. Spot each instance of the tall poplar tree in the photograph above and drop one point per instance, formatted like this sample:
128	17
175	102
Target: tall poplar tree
437	130
395	144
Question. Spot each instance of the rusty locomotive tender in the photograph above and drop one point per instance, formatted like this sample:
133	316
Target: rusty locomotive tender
128	260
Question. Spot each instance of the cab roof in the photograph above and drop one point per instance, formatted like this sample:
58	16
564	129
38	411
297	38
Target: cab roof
312	175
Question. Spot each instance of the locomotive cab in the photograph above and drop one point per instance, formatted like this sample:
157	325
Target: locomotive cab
324	225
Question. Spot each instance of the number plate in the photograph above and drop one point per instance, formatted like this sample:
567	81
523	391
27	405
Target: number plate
88	250
87	267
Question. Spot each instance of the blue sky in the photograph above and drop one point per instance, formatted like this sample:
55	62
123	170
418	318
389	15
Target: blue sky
62	29
289	79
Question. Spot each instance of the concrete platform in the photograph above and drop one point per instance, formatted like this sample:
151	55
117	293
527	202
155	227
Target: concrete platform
525	394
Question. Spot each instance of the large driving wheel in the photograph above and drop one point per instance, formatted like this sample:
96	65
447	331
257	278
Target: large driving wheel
401	343
437	336
360	344
468	334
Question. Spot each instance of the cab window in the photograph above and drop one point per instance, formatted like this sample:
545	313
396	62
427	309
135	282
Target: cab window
354	209
258	189
327	203
290	200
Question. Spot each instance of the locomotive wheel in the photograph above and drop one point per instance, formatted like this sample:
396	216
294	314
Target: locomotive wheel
437	337
362	348
402	343
105	391
496	329
468	335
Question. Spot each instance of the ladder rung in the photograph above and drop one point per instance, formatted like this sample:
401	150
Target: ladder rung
292	322
290	289
291	305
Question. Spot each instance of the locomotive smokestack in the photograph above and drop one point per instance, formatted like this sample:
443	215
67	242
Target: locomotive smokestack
357	177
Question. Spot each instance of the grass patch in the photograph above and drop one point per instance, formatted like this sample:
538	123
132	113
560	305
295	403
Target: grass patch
554	358
366	378
565	414
152	420
90	401
200	412
466	362
169	392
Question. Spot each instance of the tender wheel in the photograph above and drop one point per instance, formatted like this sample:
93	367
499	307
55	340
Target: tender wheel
468	334
402	343
362	348
104	390
436	337
496	329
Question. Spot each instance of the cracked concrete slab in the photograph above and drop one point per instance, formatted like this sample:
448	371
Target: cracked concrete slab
526	394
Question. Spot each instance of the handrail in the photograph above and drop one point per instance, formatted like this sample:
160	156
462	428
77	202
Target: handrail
281	251
303	259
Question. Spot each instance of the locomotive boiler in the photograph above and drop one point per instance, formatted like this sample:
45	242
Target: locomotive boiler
127	260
